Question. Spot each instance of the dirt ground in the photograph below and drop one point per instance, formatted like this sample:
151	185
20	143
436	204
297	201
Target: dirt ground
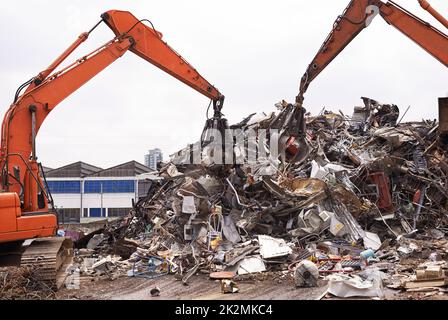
201	288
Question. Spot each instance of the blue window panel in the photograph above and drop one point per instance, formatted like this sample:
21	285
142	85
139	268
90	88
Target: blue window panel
96	212
64	186
92	187
109	186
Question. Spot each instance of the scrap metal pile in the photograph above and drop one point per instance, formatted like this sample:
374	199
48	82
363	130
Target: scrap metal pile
365	196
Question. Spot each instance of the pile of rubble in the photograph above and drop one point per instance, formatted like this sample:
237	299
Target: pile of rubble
365	205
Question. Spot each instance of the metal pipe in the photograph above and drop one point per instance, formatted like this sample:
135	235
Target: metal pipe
33	109
82	37
236	194
81	185
45	73
425	5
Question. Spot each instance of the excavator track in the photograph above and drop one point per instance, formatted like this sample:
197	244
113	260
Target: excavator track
51	257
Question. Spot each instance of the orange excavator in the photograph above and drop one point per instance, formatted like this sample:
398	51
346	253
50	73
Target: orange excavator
358	15
26	206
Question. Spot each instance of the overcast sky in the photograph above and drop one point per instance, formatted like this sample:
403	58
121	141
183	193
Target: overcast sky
255	52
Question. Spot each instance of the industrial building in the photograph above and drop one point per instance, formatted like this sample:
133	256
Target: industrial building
82	191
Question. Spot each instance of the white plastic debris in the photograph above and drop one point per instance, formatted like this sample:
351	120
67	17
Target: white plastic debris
272	247
326	218
188	205
345	286
172	171
371	241
306	274
311	221
253	264
322	172
336	227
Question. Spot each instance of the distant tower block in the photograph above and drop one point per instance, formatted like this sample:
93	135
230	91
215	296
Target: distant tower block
153	157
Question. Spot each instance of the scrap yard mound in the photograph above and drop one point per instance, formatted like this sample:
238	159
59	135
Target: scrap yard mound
365	211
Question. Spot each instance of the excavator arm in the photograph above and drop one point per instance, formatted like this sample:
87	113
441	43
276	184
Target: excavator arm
425	5
18	160
148	45
153	49
356	17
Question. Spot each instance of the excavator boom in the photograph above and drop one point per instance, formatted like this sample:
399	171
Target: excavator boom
24	200
29	110
432	40
153	49
357	16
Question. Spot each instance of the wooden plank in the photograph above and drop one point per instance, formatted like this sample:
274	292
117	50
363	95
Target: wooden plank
426	283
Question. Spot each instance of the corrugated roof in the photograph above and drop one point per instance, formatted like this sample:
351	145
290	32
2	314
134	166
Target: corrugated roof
128	169
74	170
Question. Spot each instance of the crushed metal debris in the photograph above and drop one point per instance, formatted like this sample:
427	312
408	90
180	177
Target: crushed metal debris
365	204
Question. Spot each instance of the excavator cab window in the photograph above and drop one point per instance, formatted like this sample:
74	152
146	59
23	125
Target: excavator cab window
41	200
